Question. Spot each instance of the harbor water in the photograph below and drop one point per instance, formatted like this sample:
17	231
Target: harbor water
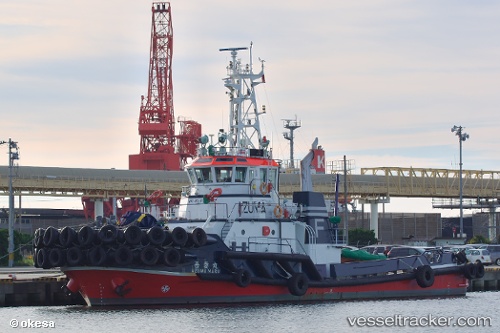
477	311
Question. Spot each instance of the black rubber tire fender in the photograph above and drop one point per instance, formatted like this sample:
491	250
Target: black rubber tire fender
38	237
74	256
67	237
57	257
50	237
149	255
424	276
107	234
133	235
469	271
123	256
42	258
172	257
86	236
199	237
97	256
156	235
179	236
298	284
479	270
242	278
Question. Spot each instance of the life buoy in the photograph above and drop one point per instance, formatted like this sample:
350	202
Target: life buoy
67	237
298	284
278	211
74	256
215	193
424	276
263	188
242	278
107	234
153	198
123	256
149	255
156	235
479	270
172	257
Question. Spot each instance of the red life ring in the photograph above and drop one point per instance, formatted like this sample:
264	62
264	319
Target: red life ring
155	196
264	188
278	211
216	192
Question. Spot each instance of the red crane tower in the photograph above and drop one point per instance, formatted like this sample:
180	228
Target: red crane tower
156	120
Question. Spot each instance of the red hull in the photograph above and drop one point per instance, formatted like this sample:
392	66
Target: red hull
98	285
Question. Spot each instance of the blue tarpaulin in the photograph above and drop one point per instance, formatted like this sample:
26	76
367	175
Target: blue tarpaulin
140	219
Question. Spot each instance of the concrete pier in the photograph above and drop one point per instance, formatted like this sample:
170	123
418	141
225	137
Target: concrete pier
31	286
490	281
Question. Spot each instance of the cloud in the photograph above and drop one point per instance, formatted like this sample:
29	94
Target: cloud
380	81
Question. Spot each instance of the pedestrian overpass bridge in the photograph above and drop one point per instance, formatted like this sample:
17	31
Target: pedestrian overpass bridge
370	184
480	188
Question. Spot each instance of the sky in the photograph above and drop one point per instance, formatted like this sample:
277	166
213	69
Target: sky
380	81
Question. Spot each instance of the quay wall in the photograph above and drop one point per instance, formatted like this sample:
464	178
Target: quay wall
46	291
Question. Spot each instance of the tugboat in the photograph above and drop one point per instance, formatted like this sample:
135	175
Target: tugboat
235	239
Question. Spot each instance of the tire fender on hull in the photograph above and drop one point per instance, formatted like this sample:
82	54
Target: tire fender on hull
179	236
298	284
133	235
107	234
123	256
172	257
479	270
242	278
470	270
74	256
149	255
424	276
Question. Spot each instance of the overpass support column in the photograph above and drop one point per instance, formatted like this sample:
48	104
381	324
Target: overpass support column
492	224
374	217
374	211
98	208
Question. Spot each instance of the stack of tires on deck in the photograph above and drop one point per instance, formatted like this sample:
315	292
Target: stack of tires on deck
114	246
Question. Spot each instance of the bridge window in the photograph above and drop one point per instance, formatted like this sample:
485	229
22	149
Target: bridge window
223	174
239	176
203	175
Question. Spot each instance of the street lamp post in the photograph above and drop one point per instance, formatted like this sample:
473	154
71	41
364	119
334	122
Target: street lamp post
13	155
462	136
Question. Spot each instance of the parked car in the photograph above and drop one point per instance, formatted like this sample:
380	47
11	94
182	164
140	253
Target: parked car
404	251
494	252
478	255
377	249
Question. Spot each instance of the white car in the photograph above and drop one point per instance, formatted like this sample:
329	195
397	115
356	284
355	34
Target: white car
478	255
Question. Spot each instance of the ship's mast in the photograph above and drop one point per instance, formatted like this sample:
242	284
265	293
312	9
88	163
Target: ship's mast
244	125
